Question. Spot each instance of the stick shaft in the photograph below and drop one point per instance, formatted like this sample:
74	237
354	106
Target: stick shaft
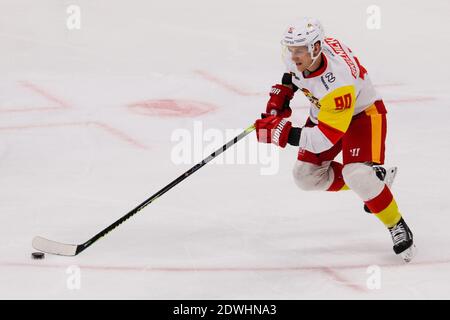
172	184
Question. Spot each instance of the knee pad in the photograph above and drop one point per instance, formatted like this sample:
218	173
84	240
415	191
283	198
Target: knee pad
308	176
362	179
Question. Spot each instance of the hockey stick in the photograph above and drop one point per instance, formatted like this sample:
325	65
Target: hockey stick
63	249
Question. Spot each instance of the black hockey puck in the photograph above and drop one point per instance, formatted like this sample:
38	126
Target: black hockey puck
37	255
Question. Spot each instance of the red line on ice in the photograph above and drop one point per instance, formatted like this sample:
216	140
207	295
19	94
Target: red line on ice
339	279
387	101
171	108
107	128
225	84
60	103
234	89
25	109
328	269
119	134
406	100
384	85
331	271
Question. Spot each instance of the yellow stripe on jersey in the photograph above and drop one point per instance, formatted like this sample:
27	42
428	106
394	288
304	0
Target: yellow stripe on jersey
337	107
377	133
377	123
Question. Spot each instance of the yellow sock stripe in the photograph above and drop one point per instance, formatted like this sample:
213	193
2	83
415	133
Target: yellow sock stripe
390	216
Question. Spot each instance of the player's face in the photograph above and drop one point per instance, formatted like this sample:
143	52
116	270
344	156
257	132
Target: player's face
301	57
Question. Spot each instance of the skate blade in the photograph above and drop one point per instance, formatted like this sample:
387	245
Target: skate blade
409	253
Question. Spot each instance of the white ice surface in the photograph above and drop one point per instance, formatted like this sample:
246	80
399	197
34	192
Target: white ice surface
74	157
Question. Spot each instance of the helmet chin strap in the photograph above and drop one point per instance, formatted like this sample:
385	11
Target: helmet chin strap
314	59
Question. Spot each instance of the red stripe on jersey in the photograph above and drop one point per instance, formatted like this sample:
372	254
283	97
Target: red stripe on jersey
339	50
362	70
381	108
381	201
331	133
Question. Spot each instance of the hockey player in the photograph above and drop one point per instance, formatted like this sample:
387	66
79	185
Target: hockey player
346	114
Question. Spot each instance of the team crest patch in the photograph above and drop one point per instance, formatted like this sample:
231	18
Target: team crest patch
310	97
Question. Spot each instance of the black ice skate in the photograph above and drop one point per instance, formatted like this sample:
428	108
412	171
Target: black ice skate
403	240
387	176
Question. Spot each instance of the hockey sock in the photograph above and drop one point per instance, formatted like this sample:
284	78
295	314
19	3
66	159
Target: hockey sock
384	207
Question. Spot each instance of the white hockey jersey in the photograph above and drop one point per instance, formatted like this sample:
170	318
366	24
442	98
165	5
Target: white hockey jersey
337	91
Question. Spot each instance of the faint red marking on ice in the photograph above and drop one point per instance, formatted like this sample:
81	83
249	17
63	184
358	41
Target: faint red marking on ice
339	279
110	130
171	108
119	134
329	270
60	103
409	100
384	85
224	84
233	88
387	101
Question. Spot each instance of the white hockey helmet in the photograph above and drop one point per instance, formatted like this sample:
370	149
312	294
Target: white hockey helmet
304	32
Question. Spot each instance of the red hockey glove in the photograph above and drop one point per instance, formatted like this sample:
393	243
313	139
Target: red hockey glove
273	129
278	104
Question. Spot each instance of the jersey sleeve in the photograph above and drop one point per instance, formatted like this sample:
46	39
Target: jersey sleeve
335	115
